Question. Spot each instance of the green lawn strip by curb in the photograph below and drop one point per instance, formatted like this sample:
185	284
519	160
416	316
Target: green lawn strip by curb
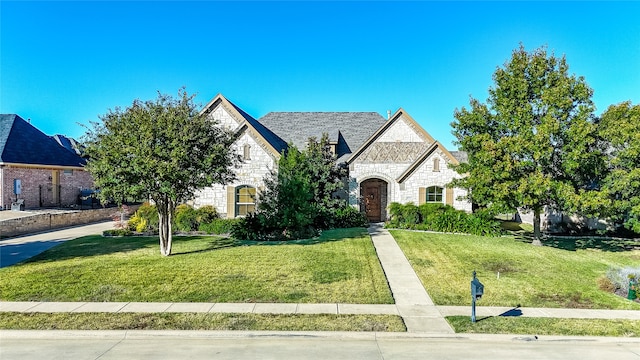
199	321
545	326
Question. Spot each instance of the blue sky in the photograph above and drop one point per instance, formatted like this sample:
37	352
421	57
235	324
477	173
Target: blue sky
64	63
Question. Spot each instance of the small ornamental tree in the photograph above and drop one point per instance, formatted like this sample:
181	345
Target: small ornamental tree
161	149
300	197
533	144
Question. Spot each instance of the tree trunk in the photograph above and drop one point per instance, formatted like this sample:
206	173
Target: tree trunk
536	228
165	212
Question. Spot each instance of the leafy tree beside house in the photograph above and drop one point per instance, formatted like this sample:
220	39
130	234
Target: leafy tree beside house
619	128
161	149
533	144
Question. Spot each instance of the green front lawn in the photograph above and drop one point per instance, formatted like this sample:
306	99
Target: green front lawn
513	272
340	266
546	326
198	321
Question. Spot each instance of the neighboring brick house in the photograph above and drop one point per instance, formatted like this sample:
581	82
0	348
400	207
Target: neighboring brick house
390	160
49	170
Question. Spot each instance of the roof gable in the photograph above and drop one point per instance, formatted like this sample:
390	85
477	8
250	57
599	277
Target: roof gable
401	128
246	122
416	164
21	143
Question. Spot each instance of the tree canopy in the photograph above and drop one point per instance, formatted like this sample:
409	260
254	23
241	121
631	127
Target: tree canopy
533	144
619	128
161	149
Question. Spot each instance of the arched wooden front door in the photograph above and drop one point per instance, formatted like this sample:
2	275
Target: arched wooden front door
374	199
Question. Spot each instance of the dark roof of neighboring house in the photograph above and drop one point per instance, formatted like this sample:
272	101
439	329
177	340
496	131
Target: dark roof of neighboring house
68	143
349	130
22	143
278	143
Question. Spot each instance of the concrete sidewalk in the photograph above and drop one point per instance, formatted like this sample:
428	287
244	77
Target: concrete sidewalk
292	308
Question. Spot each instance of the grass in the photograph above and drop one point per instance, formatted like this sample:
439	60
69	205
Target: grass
546	326
340	266
514	273
198	321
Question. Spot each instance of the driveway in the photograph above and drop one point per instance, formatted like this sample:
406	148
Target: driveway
16	249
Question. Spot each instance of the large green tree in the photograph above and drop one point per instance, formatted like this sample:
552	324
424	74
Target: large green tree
533	143
619	127
161	149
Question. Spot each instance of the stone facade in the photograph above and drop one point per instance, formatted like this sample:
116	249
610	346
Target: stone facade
398	162
256	162
400	146
42	187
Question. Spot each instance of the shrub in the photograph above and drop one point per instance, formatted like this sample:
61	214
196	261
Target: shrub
443	218
218	226
145	219
185	218
348	217
206	214
117	232
250	227
621	277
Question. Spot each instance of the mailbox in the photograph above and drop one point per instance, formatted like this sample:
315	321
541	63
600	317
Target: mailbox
477	289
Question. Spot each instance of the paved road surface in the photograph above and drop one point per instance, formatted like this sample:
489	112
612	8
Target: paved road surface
109	345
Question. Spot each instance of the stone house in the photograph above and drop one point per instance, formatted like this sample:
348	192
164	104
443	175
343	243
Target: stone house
40	170
389	160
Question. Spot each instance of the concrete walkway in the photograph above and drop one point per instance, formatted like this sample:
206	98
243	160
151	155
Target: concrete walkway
411	300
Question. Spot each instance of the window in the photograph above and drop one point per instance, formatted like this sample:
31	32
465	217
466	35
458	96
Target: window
434	194
68	172
245	200
436	164
246	155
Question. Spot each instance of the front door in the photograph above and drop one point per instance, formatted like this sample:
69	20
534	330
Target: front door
372	201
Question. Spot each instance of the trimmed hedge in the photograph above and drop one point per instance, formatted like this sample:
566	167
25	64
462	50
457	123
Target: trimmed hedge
442	218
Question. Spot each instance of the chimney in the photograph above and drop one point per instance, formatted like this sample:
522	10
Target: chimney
388	114
29	120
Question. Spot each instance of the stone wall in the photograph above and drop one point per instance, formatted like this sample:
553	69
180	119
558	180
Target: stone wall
56	220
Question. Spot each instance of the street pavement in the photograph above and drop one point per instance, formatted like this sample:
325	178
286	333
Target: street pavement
106	345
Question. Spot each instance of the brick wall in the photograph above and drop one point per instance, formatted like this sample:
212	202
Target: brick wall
39	188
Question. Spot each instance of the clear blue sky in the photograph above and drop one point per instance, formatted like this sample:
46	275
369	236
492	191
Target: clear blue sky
64	63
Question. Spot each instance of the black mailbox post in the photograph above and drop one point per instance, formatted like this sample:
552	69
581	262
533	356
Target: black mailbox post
477	290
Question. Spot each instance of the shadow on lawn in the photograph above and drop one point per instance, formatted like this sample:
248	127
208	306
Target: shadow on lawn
589	242
573	243
509	313
89	246
327	236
